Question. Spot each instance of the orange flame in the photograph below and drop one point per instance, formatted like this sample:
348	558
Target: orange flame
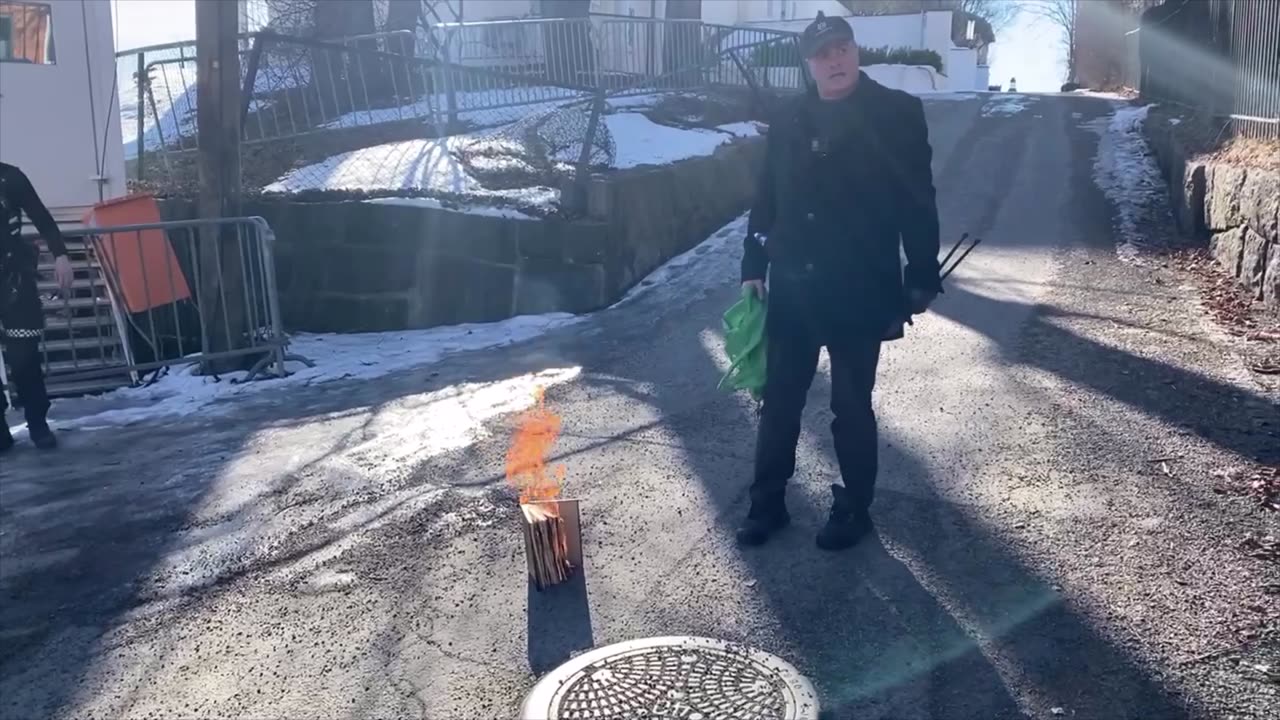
527	457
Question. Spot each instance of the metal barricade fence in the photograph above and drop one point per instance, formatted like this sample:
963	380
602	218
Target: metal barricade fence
156	295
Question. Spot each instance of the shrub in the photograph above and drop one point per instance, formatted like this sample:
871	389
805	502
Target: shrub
788	55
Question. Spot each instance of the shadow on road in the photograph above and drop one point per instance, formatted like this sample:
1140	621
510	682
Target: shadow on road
559	623
936	618
1202	405
117	527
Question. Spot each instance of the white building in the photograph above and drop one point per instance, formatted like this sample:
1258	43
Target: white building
59	120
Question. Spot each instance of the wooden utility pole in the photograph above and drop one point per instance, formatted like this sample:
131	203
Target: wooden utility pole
221	296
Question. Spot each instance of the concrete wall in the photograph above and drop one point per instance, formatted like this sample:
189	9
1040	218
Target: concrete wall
367	266
983	77
911	78
1235	209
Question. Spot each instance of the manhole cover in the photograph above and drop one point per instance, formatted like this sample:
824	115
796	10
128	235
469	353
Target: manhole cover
673	678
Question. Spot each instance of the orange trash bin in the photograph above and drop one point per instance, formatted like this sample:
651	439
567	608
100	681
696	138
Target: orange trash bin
141	265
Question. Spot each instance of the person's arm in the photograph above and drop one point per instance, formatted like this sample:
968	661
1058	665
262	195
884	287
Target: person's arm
919	210
30	203
755	261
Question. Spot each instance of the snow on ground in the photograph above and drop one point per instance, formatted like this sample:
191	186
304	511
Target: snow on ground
1126	172
1098	94
236	526
426	165
640	141
429	165
1006	105
945	95
367	356
357	356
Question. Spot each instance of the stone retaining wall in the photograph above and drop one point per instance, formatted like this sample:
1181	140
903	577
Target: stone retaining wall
363	266
1235	209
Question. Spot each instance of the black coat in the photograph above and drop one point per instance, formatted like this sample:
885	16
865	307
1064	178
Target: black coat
830	216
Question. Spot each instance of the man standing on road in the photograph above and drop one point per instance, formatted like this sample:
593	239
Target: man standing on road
846	183
21	314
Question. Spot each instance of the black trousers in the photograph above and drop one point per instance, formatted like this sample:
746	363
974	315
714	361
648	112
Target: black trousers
795	338
21	322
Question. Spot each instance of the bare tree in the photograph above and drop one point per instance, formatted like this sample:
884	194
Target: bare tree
1064	14
999	13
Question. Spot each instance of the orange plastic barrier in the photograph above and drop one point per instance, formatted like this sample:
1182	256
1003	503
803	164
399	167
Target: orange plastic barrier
141	265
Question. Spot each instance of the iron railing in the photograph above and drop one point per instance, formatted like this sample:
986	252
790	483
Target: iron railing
1254	48
331	98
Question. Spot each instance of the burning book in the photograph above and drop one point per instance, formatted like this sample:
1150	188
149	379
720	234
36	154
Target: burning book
552	531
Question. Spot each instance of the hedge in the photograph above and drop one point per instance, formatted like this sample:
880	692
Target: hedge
788	55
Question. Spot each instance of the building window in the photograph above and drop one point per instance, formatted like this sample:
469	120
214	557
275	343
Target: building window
26	33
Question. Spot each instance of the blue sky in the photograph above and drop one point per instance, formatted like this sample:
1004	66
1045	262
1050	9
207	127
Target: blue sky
1029	50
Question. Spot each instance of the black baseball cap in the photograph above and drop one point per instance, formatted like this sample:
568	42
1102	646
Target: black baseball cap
822	32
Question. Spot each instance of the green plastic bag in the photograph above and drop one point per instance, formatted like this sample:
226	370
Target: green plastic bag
744	342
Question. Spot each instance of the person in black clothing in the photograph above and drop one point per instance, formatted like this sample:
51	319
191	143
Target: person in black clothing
847	182
21	314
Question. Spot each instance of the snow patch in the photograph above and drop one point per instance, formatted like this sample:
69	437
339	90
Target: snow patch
1097	94
426	165
1006	105
357	356
410	431
1125	171
429	165
641	141
941	95
464	208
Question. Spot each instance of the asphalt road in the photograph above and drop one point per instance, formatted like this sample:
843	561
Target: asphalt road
295	557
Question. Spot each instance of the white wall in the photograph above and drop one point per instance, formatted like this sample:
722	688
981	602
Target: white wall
477	10
636	8
720	12
49	126
937	36
983	80
911	78
962	66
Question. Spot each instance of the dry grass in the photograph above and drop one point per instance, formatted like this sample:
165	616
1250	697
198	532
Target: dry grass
1250	152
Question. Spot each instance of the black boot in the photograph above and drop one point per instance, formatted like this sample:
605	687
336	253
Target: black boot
763	520
6	439
847	524
42	437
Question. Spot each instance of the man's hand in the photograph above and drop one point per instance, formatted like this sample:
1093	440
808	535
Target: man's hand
62	272
757	286
919	300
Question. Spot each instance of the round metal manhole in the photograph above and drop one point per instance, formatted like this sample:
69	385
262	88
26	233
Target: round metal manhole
673	678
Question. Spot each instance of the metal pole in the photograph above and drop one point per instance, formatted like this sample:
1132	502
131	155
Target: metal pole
141	109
